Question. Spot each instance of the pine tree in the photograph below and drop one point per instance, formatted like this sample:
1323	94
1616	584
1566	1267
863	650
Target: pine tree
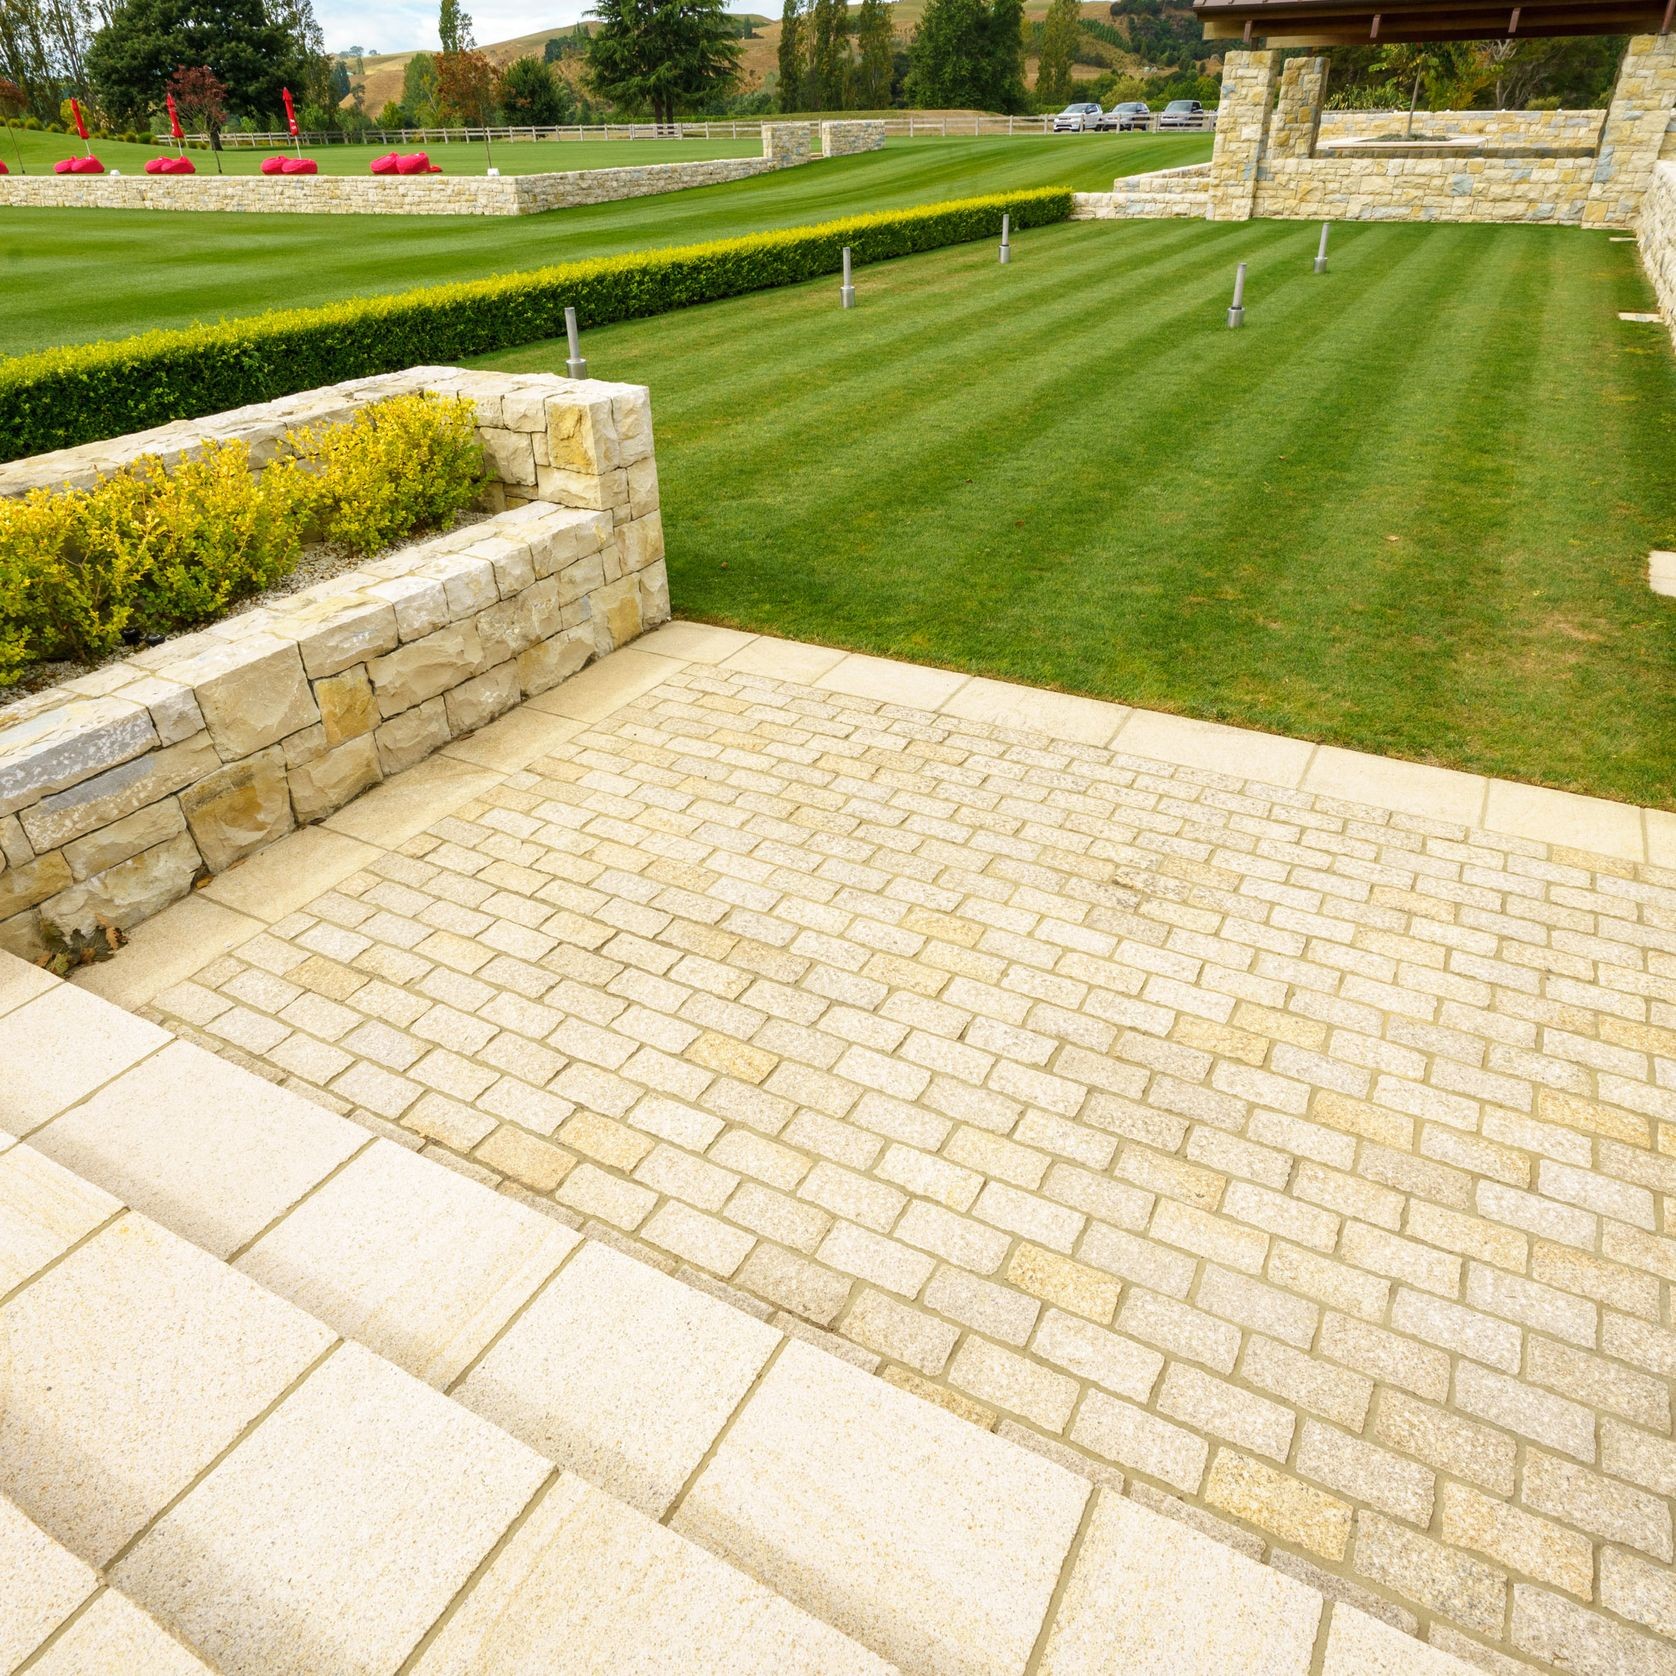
791	57
1059	50
877	43
662	55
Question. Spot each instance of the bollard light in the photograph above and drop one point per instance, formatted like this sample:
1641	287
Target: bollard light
1236	314
575	366
1321	254
847	293
1006	239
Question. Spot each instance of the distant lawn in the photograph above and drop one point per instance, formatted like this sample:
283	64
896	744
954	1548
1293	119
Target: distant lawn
1407	509
67	275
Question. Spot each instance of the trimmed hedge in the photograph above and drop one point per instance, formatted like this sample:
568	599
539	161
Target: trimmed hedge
59	398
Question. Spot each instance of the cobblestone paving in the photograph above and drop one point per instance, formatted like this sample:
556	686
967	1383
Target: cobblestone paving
1304	1165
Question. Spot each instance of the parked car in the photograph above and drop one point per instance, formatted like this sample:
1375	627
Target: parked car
1182	113
1131	114
1077	119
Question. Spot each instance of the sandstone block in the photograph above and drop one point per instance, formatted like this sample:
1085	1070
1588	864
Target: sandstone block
642	479
616	615
15	849
641	542
475	703
543	666
257	702
67	743
508	454
331	780
349	634
419	602
124	838
23	935
412	736
239	808
131	891
582	436
347	706
119	791
23	887
424	668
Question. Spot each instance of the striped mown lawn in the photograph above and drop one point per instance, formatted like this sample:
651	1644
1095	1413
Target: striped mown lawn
1407	509
67	275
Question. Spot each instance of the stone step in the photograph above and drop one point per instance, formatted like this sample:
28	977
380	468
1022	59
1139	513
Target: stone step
180	1447
931	1542
58	1617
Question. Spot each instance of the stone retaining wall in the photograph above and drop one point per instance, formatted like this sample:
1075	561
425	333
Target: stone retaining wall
1658	239
1164	193
120	788
785	145
1539	128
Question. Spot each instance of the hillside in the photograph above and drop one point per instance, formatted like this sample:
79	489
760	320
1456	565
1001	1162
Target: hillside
382	73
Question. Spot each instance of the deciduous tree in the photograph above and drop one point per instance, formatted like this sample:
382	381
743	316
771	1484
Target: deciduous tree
791	57
467	85
454	27
876	48
1059	52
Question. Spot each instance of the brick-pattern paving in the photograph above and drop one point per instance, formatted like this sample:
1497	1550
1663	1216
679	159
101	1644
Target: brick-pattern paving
1303	1164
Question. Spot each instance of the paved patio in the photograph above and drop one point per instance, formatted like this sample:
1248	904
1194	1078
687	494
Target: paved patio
1106	1078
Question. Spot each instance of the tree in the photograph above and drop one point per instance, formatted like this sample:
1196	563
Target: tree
530	93
791	57
829	55
454	27
662	55
239	41
201	99
968	53
419	91
467	86
1006	56
876	43
1436	66
1059	52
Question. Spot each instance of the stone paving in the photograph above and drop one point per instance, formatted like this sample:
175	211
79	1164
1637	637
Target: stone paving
1299	1163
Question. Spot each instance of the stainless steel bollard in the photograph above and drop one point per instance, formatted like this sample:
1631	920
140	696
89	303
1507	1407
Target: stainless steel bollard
1006	239
575	366
1236	314
1321	254
847	293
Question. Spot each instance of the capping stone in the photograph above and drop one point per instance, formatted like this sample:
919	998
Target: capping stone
67	744
258	701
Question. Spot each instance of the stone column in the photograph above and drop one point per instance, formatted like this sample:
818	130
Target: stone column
1637	123
1242	126
787	143
1297	117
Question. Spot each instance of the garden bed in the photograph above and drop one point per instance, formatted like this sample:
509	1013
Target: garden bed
121	787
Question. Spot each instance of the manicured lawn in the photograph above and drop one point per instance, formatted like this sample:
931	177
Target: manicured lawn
67	275
1407	509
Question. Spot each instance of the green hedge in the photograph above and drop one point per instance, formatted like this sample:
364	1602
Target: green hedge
58	398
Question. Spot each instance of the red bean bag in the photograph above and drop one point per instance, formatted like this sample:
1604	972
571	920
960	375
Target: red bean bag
3	169
299	166
414	163
78	166
273	165
385	165
169	166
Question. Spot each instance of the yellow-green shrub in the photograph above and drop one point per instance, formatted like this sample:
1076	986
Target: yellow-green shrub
150	550
409	463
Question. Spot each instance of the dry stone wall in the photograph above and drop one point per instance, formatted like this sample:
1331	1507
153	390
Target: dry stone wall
844	139
785	145
1658	239
122	787
1165	193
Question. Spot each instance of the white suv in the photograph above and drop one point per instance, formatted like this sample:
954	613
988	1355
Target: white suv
1076	119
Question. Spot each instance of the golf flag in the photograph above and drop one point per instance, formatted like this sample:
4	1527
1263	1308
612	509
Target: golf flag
290	112
174	117
75	111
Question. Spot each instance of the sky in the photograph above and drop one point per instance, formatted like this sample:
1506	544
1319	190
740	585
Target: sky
405	25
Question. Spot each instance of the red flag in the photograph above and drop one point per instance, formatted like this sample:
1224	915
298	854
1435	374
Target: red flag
174	117
75	111
290	112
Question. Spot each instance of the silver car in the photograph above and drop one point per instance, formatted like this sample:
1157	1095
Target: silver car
1183	113
1076	119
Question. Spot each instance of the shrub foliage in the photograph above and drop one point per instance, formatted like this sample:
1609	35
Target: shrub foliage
150	550
58	398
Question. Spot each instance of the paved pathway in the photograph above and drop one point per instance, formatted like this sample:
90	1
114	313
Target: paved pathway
1303	1162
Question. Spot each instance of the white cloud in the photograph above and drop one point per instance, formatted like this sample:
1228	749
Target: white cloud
408	25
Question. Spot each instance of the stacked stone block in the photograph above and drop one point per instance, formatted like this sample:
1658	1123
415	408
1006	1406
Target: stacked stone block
1242	124
1658	239
1539	128
1297	117
844	139
119	789
1165	193
785	145
1637	125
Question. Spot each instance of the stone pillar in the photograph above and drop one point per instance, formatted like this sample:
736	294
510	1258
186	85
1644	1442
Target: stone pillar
1242	127
1637	123
1297	117
787	143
